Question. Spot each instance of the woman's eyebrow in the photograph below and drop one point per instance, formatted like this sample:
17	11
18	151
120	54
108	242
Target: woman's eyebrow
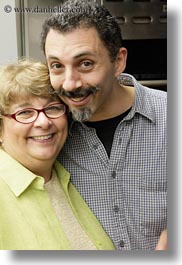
22	105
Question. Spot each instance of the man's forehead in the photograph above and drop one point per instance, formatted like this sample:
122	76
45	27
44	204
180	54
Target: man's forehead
75	36
77	44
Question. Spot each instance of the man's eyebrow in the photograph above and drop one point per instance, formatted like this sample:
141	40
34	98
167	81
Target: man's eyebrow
51	57
76	56
81	54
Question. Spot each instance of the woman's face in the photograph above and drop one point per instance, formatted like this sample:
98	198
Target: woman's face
38	141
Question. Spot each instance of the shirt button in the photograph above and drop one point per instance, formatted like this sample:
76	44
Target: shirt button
121	243
95	146
114	174
116	208
120	140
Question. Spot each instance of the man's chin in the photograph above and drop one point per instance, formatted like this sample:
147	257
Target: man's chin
81	115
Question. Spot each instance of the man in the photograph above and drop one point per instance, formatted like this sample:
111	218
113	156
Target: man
116	150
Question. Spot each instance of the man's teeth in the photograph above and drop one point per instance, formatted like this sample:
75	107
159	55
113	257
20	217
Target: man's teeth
42	137
78	99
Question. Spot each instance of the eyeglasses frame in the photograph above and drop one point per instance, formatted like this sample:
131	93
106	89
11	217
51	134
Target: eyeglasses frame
13	115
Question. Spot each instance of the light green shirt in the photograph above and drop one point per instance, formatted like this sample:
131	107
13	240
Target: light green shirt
27	218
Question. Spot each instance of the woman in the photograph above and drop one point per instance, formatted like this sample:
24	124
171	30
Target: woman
39	208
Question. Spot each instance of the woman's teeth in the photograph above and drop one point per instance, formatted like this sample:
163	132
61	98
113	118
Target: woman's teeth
42	137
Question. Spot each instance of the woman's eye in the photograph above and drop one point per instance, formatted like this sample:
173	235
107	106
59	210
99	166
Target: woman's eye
25	113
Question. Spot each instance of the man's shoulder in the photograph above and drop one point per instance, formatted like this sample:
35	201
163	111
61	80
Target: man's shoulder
143	93
156	93
155	97
158	99
151	103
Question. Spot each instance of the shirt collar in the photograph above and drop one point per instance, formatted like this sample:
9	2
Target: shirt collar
63	175
16	176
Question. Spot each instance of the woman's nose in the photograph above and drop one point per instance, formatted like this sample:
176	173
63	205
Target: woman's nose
42	121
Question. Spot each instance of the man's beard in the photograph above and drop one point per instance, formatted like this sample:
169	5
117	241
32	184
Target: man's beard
82	115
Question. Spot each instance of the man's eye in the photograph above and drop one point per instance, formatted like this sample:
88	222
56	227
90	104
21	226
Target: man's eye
56	66
87	64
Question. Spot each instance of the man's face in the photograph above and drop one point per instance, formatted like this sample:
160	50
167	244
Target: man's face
81	70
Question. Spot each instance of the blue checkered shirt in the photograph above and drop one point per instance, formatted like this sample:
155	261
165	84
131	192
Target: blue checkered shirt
127	192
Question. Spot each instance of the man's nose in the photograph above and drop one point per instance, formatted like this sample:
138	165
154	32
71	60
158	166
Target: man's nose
72	80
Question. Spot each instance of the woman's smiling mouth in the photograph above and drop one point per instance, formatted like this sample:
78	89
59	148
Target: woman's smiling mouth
42	137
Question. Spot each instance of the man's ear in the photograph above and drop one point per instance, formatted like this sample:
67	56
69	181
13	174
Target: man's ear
120	62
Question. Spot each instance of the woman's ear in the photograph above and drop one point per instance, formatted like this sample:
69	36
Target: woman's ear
120	62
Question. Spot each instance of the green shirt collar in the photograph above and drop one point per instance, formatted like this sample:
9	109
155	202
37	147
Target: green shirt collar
19	178
16	176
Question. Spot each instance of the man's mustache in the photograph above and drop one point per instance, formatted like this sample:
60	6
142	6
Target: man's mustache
78	93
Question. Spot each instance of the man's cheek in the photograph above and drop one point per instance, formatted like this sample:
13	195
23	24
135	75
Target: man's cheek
55	82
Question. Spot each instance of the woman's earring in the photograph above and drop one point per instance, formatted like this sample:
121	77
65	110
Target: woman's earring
1	143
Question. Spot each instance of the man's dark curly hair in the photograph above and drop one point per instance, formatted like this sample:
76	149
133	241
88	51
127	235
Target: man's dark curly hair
75	14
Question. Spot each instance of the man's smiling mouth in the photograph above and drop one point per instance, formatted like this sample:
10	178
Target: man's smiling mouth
78	99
